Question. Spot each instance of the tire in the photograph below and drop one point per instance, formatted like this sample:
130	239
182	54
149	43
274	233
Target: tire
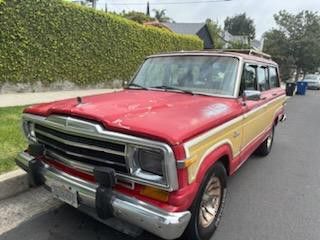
265	148
198	228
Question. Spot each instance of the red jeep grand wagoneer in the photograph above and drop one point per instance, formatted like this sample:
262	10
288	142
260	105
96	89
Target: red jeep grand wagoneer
157	154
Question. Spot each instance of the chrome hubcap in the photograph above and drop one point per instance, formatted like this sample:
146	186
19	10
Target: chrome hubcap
210	202
269	140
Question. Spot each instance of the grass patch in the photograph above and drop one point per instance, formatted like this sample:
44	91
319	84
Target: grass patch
11	138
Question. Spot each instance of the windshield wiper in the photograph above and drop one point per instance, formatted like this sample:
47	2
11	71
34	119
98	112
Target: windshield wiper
166	88
137	86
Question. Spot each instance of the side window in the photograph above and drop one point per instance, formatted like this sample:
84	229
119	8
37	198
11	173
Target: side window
273	77
263	83
249	78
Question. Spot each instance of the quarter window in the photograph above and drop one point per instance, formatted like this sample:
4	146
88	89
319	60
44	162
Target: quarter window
273	77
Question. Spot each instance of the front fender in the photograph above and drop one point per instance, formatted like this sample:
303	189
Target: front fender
184	197
223	151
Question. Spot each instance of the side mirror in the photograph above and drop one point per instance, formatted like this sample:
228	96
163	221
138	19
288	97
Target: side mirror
251	95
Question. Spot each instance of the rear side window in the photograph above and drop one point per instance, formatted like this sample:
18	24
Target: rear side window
273	77
263	83
249	78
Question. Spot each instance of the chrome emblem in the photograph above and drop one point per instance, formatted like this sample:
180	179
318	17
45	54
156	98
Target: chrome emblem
73	123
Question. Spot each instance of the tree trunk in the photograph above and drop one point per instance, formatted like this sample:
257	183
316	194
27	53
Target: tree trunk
298	73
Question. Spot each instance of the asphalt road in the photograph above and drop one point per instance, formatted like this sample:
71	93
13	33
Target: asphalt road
277	197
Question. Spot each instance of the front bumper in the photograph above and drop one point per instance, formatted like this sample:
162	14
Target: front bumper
167	225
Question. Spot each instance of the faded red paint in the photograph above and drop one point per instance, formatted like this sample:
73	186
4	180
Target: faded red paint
166	116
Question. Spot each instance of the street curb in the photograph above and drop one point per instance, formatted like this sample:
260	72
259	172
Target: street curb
13	183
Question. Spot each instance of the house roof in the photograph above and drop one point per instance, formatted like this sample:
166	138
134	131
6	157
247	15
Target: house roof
185	28
256	44
234	38
157	24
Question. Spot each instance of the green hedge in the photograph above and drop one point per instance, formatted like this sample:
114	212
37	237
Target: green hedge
52	40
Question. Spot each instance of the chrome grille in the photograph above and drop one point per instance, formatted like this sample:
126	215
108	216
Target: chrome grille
81	151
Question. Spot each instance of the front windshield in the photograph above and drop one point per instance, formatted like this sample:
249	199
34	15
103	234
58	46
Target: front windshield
200	74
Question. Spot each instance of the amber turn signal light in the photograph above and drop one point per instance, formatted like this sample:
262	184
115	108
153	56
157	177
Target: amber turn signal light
155	193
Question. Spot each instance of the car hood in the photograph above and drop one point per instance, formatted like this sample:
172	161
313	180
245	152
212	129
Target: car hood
167	116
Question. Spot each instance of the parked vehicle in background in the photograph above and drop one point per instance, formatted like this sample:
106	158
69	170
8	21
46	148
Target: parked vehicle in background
157	154
313	81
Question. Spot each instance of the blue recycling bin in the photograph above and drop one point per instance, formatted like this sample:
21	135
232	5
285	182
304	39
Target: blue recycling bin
301	87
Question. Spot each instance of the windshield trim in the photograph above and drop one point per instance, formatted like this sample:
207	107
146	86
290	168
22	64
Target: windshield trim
181	92
237	81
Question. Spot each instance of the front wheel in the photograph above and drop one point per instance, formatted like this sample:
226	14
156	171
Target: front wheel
265	148
207	208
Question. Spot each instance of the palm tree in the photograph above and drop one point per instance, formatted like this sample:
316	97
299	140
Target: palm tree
160	15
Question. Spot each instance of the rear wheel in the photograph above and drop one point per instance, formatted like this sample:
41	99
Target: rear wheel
207	208
265	148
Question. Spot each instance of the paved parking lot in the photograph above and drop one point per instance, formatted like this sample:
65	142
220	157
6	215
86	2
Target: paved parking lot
276	197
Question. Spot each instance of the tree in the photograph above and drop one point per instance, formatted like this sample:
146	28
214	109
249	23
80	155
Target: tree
275	44
297	38
215	33
240	25
139	17
160	15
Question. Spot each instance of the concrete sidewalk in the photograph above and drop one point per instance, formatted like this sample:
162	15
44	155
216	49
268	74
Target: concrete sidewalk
21	99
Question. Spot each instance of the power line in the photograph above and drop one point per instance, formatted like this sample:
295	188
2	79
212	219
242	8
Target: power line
170	3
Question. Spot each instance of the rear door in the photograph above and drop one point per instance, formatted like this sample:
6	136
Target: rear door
255	77
275	97
251	122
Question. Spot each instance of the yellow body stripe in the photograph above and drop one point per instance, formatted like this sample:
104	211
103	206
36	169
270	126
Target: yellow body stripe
238	133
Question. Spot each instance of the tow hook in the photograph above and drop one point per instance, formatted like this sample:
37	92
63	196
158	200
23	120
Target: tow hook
105	178
35	150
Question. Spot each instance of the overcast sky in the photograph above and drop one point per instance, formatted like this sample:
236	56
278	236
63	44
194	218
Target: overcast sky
261	11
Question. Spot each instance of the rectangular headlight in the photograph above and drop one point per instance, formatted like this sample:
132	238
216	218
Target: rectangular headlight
28	129
153	165
151	161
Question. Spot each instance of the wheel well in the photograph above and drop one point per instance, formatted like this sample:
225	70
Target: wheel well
225	161
276	121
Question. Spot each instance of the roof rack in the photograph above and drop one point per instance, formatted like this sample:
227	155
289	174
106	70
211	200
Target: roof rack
249	52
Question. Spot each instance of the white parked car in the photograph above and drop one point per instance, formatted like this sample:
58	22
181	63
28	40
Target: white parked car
313	81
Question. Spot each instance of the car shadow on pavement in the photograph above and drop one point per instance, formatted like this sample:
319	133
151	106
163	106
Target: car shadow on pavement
67	223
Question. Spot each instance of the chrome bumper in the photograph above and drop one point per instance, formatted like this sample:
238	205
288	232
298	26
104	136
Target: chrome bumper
167	225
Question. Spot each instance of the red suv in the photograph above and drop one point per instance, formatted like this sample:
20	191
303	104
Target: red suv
157	154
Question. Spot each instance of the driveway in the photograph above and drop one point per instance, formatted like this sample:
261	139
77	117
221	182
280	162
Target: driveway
274	198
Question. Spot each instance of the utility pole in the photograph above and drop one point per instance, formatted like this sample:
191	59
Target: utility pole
148	9
106	7
94	4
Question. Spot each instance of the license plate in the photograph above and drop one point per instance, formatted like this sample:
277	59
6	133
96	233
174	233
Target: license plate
65	194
